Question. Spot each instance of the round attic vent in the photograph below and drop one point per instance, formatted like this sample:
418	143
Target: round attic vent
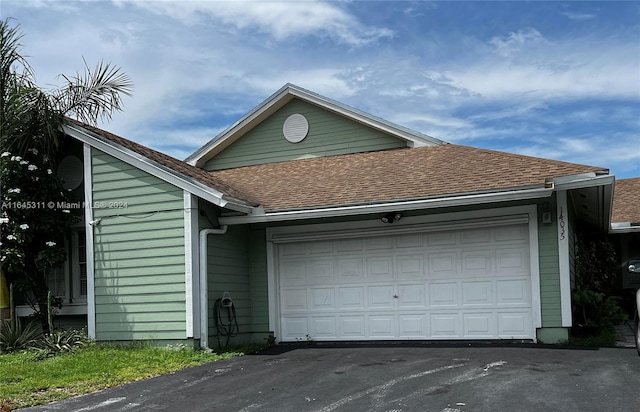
295	128
70	171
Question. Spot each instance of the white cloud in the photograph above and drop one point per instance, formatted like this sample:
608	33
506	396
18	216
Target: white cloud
281	20
579	16
526	66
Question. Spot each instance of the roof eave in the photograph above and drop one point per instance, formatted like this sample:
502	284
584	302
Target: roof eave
431	203
156	169
624	227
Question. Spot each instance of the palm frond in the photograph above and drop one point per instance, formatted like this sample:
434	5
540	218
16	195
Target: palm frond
94	94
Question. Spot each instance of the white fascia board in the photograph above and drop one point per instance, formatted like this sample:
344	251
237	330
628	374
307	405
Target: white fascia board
623	227
284	96
390	207
582	180
239	128
154	168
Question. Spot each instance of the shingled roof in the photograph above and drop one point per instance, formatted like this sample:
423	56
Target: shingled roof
392	175
626	201
192	172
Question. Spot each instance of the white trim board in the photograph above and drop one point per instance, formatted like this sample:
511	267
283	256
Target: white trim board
562	217
88	218
191	263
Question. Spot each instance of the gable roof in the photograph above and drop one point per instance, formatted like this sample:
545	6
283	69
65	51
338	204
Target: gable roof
626	203
283	96
399	175
165	167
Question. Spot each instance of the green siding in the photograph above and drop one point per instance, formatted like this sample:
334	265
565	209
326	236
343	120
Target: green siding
139	254
228	271
259	287
549	273
329	134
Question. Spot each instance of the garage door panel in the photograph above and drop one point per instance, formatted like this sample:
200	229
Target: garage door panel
514	325
380	269
511	233
478	293
352	327
294	300
323	327
350	245
380	297
413	326
295	327
513	292
320	271
350	270
292	249
382	326
471	236
351	298
479	325
293	272
410	267
379	243
512	261
411	296
443	294
322	299
442	264
441	239
320	247
477	262
457	284
413	240
444	325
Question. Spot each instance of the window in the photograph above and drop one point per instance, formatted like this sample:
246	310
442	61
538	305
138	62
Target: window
79	266
70	281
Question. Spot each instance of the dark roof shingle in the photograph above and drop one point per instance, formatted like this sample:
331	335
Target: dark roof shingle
192	172
392	175
626	201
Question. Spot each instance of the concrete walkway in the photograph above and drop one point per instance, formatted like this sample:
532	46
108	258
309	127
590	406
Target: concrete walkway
626	338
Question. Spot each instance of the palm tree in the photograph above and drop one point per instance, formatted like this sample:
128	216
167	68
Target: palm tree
31	116
31	122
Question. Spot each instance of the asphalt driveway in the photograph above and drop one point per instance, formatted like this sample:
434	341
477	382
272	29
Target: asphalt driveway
396	378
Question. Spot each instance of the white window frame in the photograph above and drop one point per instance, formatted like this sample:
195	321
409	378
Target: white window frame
74	266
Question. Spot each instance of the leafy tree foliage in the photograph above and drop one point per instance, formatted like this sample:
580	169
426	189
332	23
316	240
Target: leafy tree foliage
33	218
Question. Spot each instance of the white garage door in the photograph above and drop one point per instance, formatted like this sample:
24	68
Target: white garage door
462	284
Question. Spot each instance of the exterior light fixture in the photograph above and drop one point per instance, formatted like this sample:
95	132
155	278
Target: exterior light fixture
391	217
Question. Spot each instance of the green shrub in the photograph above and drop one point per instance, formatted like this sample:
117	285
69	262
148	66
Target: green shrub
15	336
69	340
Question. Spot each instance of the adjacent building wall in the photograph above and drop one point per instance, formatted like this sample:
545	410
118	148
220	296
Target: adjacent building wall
139	253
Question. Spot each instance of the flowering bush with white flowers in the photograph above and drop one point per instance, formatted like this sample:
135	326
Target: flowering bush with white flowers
32	227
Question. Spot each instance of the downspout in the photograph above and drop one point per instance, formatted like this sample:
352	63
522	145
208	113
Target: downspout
204	293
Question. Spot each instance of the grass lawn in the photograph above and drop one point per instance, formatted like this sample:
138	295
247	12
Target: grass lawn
26	381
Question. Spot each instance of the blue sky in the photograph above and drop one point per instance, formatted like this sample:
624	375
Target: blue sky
555	79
